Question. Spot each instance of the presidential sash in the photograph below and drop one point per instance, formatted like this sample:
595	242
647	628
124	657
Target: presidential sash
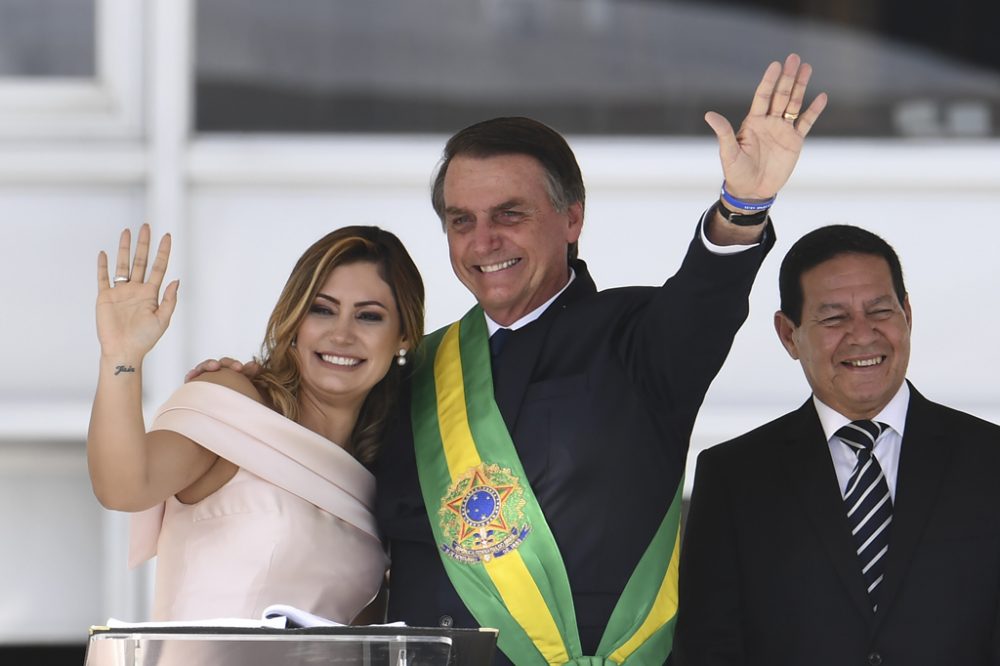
492	536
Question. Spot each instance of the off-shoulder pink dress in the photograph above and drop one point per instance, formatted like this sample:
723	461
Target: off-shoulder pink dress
293	526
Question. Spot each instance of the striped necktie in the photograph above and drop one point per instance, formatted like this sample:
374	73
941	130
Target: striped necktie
868	503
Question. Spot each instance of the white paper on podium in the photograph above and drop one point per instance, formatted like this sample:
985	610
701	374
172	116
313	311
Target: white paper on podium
234	622
275	616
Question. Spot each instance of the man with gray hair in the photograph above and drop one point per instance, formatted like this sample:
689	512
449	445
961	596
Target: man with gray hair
532	482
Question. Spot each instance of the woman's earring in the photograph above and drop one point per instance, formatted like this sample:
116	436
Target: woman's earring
401	358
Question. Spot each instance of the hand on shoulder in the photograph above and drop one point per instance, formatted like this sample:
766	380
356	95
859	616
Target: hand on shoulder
233	380
250	369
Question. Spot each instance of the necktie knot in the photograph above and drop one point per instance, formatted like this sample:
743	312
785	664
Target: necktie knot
861	435
498	339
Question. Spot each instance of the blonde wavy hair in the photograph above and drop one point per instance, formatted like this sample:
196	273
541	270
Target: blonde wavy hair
279	379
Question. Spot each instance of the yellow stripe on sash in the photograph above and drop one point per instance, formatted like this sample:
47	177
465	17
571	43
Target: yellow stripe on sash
664	608
509	573
456	435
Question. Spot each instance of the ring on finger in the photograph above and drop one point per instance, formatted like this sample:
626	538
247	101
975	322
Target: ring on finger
788	115
120	278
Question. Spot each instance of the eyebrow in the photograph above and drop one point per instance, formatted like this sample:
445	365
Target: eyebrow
510	203
358	304
840	307
880	300
504	205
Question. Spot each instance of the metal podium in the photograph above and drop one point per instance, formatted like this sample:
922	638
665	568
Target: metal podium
341	646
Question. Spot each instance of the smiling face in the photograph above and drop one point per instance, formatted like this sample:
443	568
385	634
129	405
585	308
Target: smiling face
506	240
854	339
347	340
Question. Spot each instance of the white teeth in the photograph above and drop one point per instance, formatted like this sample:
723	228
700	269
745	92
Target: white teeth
493	268
864	363
340	360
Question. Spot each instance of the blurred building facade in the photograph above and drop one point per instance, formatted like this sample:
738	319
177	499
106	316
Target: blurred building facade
250	128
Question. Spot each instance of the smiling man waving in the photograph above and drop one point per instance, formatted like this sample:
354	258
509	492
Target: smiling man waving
534	483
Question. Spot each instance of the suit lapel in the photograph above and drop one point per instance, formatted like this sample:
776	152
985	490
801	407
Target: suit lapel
811	475
924	460
513	370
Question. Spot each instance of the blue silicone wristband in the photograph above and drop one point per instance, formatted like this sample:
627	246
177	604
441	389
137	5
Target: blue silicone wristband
752	206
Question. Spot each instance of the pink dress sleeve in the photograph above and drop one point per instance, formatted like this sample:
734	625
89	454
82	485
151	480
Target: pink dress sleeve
294	526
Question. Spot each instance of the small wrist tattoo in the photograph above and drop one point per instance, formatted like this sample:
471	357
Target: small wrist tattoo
121	368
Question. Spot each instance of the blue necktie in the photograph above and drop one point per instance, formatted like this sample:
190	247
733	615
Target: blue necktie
497	341
868	503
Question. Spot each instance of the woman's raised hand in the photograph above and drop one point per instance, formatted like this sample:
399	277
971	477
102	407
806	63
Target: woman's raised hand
131	316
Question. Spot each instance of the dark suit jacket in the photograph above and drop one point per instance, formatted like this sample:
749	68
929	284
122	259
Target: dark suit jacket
769	573
600	395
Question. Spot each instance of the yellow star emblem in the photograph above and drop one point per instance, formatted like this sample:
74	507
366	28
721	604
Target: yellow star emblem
495	520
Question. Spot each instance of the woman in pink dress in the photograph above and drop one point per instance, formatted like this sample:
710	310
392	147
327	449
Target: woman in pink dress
256	492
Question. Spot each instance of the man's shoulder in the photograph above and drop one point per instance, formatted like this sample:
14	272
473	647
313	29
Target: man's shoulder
755	443
962	423
584	290
620	299
967	444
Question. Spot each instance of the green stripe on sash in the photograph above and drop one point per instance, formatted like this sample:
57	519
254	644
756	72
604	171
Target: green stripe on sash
493	539
642	623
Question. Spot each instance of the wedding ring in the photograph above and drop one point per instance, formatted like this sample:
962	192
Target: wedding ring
790	116
120	278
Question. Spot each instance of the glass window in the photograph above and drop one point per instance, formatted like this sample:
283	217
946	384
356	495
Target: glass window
590	66
47	38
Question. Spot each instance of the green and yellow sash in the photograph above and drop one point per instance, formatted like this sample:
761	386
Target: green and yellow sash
491	534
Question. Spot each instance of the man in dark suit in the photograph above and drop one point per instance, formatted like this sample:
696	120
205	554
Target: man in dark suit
557	520
531	481
862	528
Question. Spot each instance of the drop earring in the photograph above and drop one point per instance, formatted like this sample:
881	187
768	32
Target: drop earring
401	358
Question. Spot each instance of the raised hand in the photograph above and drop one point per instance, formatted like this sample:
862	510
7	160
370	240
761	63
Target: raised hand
131	317
758	159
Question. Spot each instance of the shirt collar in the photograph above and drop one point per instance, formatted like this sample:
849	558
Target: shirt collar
493	327
893	414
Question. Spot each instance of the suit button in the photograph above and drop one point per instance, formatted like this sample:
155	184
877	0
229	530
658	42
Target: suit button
875	659
447	621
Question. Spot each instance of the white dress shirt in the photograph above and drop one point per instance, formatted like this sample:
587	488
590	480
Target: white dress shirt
492	327
887	446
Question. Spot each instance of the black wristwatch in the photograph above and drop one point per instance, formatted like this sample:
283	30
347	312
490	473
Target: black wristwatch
742	219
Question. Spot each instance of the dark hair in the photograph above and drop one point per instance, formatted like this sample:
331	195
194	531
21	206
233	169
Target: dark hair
518	136
280	378
822	245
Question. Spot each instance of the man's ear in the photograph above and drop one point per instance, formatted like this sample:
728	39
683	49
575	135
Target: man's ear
575	214
785	329
907	311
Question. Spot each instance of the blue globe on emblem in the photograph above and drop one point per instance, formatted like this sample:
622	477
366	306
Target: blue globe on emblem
481	505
